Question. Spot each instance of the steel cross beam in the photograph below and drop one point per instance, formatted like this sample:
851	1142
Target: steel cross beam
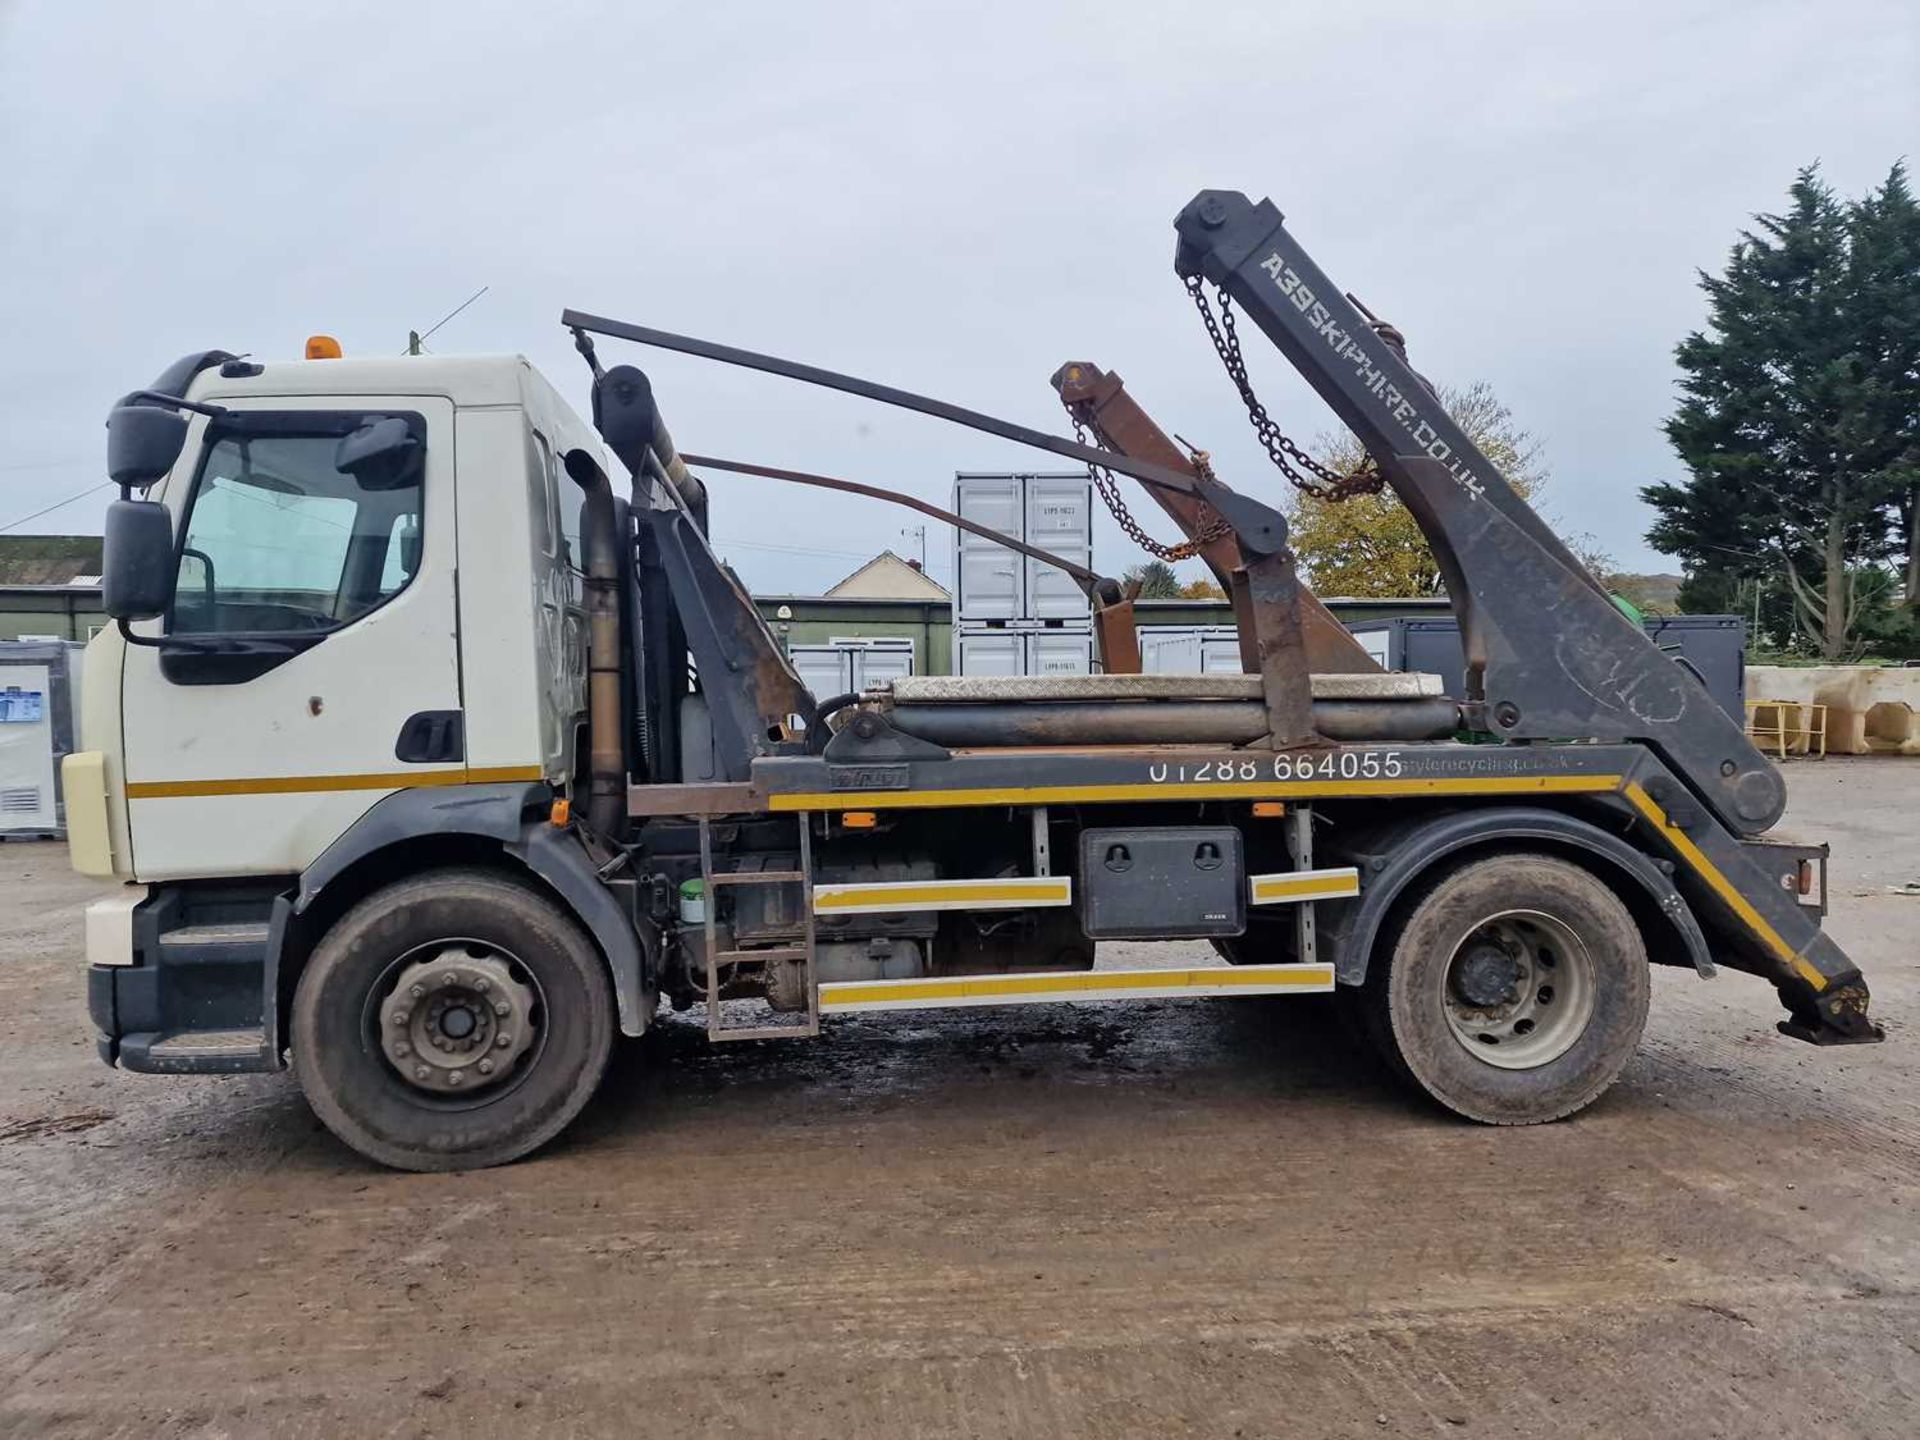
1549	656
1261	529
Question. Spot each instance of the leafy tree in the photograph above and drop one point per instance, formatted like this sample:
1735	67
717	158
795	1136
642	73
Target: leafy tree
1370	546
1157	580
1799	419
1202	590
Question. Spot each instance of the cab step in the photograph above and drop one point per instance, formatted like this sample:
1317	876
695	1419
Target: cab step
196	1052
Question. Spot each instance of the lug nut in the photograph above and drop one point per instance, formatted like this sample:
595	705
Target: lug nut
416	991
501	1007
454	1077
503	1040
400	1017
481	983
422	1072
485	1067
402	1049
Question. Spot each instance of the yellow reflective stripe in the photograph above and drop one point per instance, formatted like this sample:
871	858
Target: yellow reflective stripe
1724	887
1237	790
1209	978
949	894
315	784
1324	885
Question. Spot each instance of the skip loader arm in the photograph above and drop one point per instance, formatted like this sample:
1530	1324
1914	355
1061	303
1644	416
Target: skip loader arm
1549	657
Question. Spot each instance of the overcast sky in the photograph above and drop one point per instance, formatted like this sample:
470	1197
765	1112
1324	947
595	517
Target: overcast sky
953	198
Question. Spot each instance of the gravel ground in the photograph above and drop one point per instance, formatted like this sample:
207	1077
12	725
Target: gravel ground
1210	1217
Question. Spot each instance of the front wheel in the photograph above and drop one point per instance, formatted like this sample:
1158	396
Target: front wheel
452	1021
1513	990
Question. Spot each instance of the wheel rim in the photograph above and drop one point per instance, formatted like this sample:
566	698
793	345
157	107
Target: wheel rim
458	1021
1519	989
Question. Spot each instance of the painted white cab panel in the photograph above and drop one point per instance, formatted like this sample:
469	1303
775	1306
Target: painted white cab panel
333	711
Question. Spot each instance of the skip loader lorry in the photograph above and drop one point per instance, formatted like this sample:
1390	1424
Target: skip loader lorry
433	758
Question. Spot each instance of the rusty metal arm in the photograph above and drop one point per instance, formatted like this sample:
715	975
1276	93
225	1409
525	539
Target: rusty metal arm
1099	400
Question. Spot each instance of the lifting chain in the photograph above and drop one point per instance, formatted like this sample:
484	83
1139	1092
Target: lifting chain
1305	473
1212	526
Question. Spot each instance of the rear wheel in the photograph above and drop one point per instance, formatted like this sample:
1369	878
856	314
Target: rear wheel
1513	990
452	1021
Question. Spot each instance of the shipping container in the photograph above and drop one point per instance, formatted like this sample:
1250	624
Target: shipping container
1053	512
39	726
1005	651
851	663
989	578
1059	513
1189	650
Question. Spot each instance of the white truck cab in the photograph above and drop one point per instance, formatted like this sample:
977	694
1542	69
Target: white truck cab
368	611
366	591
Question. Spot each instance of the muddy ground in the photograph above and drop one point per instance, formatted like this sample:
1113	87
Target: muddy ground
1183	1218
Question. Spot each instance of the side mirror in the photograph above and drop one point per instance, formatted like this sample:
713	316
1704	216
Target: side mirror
382	454
143	441
136	580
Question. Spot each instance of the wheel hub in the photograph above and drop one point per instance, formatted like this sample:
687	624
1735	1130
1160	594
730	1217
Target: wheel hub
1486	976
1520	990
456	1022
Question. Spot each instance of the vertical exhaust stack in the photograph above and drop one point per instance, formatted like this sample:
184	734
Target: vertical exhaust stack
606	762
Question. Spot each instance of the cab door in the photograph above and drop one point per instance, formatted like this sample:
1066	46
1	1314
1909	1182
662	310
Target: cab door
309	664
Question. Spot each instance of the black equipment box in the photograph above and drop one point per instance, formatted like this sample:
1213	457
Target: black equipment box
1162	882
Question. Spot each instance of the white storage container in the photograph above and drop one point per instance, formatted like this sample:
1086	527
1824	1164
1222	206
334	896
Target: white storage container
1059	515
1023	652
990	652
991	579
1189	650
1059	652
851	663
1053	512
825	670
39	726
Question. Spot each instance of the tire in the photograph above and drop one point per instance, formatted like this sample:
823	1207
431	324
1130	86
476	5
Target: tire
452	928
1461	996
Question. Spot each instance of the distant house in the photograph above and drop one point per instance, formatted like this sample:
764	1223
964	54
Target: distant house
888	577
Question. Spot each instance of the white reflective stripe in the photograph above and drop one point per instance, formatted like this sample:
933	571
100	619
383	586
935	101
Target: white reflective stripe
1293	885
110	927
935	992
1011	893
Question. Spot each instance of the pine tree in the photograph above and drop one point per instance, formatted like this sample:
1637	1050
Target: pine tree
1790	414
1157	580
1886	282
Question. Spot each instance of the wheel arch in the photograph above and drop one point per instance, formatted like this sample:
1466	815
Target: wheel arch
1395	858
502	828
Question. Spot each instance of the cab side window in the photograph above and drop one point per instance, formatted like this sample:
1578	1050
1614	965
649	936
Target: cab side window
279	540
571	501
541	501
